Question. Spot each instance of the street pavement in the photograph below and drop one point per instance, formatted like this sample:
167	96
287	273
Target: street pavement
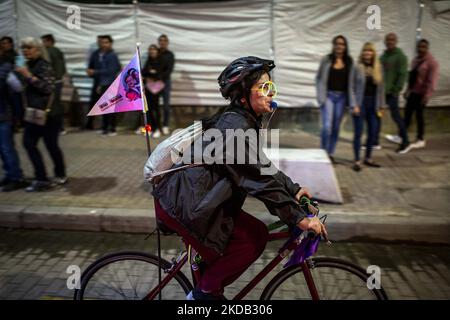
407	199
33	263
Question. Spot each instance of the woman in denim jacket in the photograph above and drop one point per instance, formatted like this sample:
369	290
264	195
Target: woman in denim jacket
370	102
335	90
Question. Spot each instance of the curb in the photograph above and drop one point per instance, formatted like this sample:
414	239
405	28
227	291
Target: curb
340	226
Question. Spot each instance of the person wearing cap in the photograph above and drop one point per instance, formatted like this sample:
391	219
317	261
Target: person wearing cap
203	204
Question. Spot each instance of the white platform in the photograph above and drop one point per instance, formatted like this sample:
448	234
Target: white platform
311	168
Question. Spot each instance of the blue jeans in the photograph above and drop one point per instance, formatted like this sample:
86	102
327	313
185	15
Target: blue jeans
368	113
332	111
11	164
392	102
166	101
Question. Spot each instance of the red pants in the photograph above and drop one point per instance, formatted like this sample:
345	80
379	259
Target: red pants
247	242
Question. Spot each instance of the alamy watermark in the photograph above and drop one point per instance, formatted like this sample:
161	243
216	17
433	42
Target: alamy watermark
231	146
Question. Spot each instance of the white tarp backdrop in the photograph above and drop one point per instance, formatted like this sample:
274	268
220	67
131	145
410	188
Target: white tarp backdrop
205	37
304	30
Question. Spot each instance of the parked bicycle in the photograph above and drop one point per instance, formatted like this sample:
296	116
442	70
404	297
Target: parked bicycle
134	275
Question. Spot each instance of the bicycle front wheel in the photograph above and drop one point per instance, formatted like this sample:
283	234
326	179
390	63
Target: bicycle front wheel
335	279
129	276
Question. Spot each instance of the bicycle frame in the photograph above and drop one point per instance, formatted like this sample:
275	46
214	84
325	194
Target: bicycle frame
282	253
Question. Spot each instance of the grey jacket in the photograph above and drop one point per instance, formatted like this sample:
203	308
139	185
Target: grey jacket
361	85
322	82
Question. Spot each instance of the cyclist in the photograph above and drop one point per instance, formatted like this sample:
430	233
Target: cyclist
203	204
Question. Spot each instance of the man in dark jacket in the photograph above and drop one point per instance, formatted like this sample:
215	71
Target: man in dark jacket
59	68
395	70
203	204
168	62
13	178
104	69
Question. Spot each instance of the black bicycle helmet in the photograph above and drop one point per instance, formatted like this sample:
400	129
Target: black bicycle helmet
239	69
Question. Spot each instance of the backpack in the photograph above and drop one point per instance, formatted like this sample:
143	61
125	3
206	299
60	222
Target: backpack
170	152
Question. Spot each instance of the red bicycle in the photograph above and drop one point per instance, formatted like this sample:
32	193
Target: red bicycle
135	275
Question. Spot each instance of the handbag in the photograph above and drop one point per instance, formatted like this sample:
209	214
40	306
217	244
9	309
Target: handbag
154	87
34	115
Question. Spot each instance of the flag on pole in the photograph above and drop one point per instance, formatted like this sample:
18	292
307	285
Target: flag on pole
125	93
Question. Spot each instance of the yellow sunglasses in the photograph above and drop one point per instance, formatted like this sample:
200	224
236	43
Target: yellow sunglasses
267	88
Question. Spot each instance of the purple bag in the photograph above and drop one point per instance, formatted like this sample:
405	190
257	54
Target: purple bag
304	250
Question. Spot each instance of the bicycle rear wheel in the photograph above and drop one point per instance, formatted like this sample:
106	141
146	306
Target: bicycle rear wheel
335	279
129	276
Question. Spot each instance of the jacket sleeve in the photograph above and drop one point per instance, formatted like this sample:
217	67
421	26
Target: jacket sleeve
381	93
168	63
45	82
112	67
353	86
258	177
402	74
431	79
358	86
318	80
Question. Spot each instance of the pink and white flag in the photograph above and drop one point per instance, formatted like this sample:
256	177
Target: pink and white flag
124	94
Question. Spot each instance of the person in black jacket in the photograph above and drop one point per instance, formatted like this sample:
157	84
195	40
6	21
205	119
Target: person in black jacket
168	62
152	79
13	175
203	204
39	87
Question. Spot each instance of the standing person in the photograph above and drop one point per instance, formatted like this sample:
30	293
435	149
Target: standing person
7	48
13	178
39	91
370	101
15	99
94	56
59	68
395	69
168	62
104	69
335	90
204	204
152	78
421	85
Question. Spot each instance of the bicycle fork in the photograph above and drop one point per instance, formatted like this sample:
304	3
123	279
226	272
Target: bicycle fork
306	266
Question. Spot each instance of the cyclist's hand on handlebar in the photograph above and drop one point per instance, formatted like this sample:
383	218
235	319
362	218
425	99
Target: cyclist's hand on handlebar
313	224
303	192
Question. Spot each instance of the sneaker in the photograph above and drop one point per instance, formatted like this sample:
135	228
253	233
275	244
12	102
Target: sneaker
357	167
377	147
393	138
59	180
156	134
418	144
197	294
139	131
404	149
333	161
63	132
37	186
112	134
372	164
15	185
165	130
4	181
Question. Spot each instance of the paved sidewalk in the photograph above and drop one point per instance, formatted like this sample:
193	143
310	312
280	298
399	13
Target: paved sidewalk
33	263
407	199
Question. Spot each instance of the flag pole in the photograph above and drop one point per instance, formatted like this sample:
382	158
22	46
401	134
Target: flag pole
149	152
144	104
